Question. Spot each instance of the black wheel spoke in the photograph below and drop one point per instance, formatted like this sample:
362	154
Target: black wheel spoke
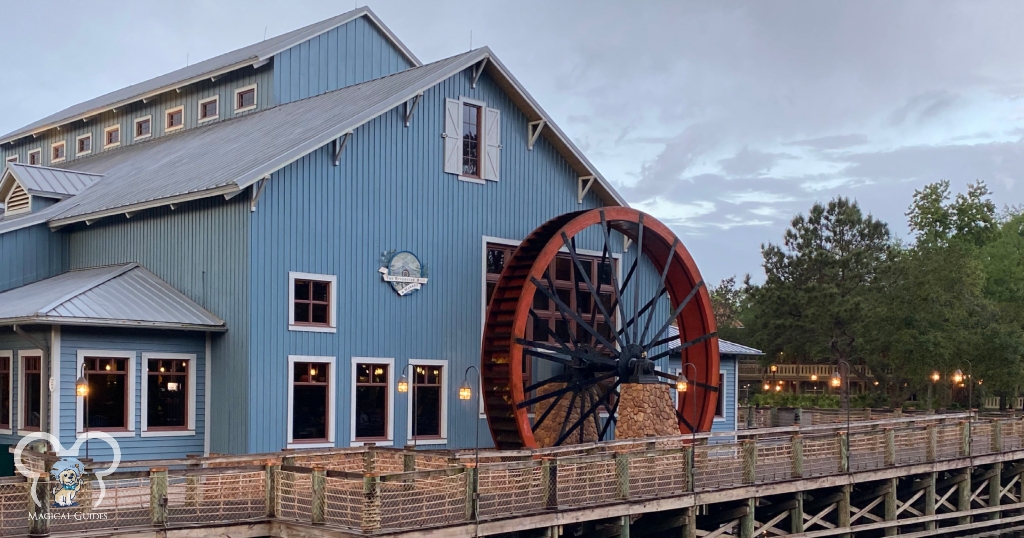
675	314
611	415
563	377
586	280
597	420
565	419
575	316
550	291
684	345
605	259
679	349
565	389
636	289
661	288
648	306
536	424
580	421
547	356
551	333
682	419
694	382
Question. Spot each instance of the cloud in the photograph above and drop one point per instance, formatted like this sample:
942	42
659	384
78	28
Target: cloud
831	142
924	107
748	162
756	197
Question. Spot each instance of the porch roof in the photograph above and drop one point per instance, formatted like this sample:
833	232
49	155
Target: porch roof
725	347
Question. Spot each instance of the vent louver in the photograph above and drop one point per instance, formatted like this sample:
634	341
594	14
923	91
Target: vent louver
18	200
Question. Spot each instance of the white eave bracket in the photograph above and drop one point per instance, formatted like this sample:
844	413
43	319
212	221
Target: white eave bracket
583	187
478	70
261	63
533	130
410	108
339	147
257	190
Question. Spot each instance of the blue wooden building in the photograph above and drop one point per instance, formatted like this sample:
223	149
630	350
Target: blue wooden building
205	247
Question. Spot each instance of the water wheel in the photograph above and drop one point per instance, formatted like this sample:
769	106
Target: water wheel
611	325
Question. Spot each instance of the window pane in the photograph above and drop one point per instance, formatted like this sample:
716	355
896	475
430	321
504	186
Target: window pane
106	400
142	128
318	372
563	269
371	412
588	266
363	373
565	296
604	272
309	420
583	301
495	260
380	373
32	400
320	314
302	290
209	109
490	290
246	98
5	397
720	403
301	312
540	330
321	291
167	401
562	330
540	301
428	411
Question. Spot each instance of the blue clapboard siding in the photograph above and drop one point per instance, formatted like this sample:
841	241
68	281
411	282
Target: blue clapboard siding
39	339
390	192
189	97
349	54
202	250
139	342
30	254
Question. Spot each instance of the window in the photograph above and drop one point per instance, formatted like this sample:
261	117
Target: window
83	145
57	152
143	127
174	119
208	108
311	401
32	392
35	157
112	136
110	404
471	140
427	402
371	400
6	386
168	394
312	302
245	98
720	403
11	159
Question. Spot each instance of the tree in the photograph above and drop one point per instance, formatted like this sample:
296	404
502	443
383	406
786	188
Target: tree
729	302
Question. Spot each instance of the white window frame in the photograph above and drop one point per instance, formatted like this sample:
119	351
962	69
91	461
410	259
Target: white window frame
167	114
254	101
333	318
28	157
481	143
192	373
8	354
199	109
132	359
54	146
390	362
135	127
444	401
721	396
78	139
22	355
119	136
332	399
11	159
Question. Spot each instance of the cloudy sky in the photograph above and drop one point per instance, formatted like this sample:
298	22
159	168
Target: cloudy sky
723	119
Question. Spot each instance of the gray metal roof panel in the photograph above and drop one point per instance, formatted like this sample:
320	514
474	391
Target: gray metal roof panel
725	347
113	295
232	60
47	180
10	223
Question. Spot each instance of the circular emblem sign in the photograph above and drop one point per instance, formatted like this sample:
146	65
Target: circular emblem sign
403	271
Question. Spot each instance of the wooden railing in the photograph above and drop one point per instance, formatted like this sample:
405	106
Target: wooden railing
794	371
372	490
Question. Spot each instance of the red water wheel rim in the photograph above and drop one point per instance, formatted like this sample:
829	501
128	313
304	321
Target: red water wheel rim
590	364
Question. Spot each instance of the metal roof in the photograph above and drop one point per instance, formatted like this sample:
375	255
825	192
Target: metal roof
111	296
48	181
230	155
256	53
725	347
10	223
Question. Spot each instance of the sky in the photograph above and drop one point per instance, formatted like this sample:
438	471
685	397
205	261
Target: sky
723	119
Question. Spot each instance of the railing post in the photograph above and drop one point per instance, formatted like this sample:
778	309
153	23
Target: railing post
472	483
890	447
622	475
158	496
796	514
798	416
797	442
965	438
843	507
932	449
995	488
691	472
271	489
371	502
409	459
319	498
749	461
774	417
192	490
747	521
890	507
997	436
963	492
750	416
549	482
844	452
929	500
38	514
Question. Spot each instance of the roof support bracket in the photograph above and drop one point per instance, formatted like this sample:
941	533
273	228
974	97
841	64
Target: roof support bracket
232	194
88	222
259	64
583	186
174	206
533	130
257	190
478	70
129	214
339	146
410	108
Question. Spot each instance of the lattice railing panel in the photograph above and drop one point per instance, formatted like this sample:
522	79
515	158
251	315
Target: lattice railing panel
947	442
344	502
774	461
867	451
217	498
981	438
13	509
293	496
657	476
821	454
582	484
1013	434
506	492
911	446
718	467
354	462
423	502
125	504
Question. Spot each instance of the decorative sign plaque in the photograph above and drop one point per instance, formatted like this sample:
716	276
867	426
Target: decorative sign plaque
403	271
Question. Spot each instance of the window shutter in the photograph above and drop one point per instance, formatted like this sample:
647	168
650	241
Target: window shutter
492	137
452	136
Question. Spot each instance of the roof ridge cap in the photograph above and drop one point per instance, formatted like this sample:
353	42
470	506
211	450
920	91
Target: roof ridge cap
98	281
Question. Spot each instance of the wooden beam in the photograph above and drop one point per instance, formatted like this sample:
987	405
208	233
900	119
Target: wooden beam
583	186
257	190
339	146
533	130
409	109
477	71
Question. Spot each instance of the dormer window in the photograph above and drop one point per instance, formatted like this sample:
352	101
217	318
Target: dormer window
11	159
175	119
208	109
35	157
58	151
245	98
112	136
83	145
143	127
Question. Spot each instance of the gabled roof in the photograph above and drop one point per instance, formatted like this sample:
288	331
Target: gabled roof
42	180
254	54
725	347
112	296
225	157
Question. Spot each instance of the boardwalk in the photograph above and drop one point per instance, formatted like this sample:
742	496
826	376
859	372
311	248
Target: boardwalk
906	473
